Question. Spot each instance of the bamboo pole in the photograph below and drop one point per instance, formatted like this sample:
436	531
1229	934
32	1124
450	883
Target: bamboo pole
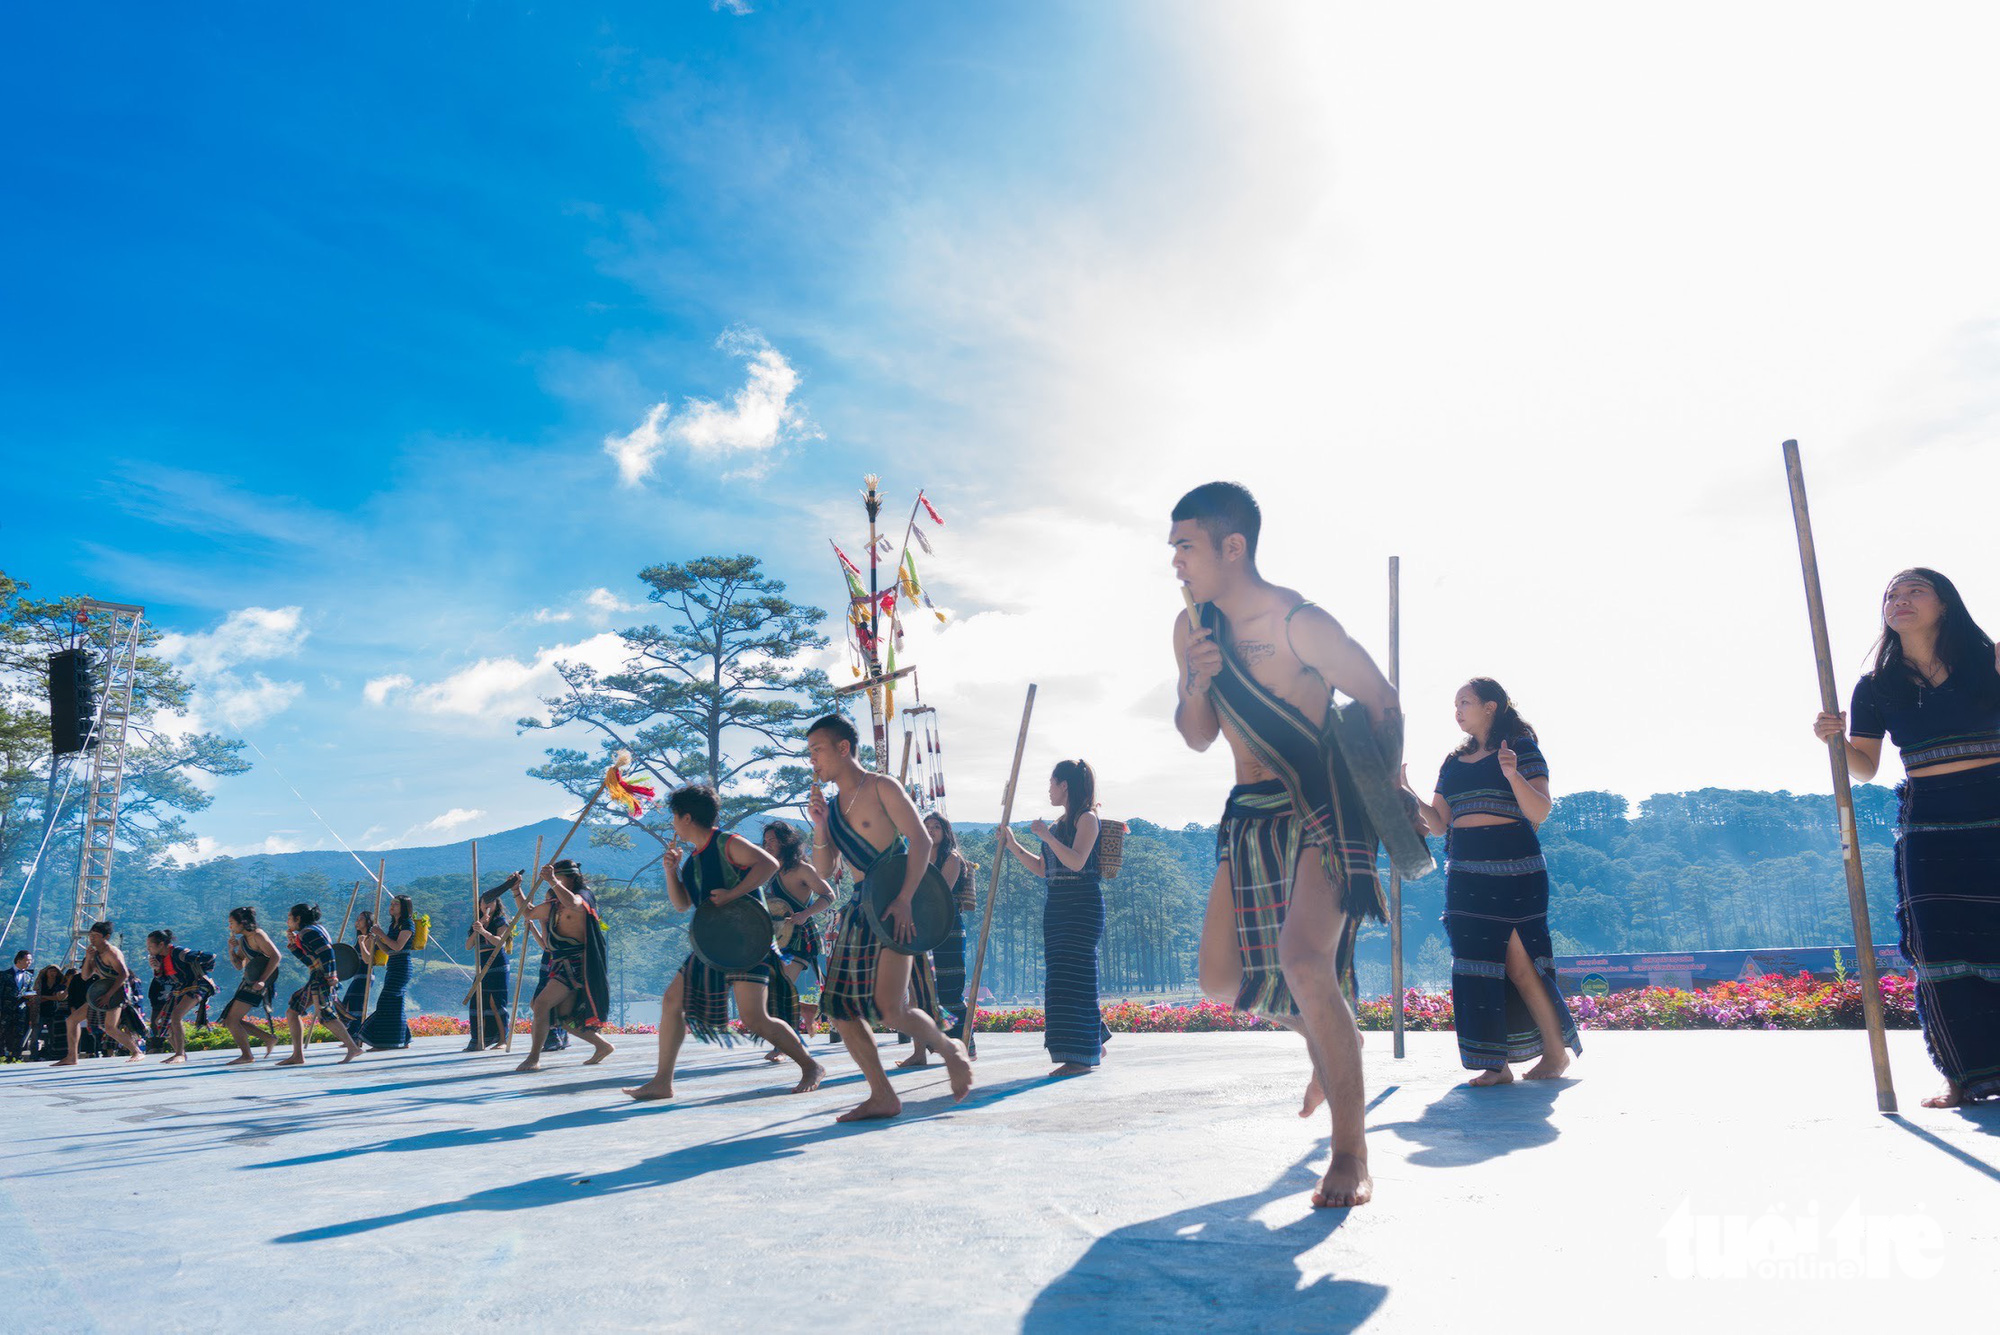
368	959
1000	856
479	1015
1395	877
348	916
521	921
903	777
1843	793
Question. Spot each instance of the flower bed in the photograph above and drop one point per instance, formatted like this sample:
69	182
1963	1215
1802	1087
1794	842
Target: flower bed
1774	1001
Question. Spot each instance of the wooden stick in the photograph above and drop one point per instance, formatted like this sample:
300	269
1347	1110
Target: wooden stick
521	969
1395	878
368	960
479	1017
1843	793
479	974
348	916
903	778
1000	856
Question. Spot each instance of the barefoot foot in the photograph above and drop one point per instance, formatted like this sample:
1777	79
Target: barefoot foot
603	1050
1069	1069
774	1056
872	1109
1315	1098
1951	1096
959	1069
810	1080
916	1061
245	1060
653	1091
531	1064
174	1060
1487	1079
353	1051
1346	1184
293	1060
1549	1067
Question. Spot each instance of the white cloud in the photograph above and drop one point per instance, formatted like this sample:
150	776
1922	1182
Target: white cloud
604	602
736	7
204	848
503	688
755	421
452	819
378	689
546	615
210	658
247	635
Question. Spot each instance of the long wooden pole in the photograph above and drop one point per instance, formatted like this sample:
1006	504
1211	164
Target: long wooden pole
1395	877
521	921
348	916
368	959
478	1015
1843	793
1000	856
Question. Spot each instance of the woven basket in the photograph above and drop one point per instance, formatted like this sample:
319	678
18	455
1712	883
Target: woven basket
1110	848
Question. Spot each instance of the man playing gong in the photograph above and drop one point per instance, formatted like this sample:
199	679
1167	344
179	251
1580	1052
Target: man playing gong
723	869
1296	862
867	981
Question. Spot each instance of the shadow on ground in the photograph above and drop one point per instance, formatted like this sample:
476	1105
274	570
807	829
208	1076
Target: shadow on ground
1210	1267
662	1170
1469	1126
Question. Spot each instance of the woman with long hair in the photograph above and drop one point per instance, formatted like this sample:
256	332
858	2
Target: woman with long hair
251	950
1934	691
490	939
51	1006
1491	794
313	947
384	1027
798	896
1072	918
949	957
183	974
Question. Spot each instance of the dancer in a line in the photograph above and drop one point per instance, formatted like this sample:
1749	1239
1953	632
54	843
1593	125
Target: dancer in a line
949	957
384	1027
1072	919
1492	793
252	950
722	869
1297	862
110	993
866	981
576	992
490	939
799	895
312	946
51	1009
187	985
1935	692
352	1000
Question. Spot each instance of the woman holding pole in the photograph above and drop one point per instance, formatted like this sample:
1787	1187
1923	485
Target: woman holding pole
1072	918
1934	691
490	942
384	1027
1491	794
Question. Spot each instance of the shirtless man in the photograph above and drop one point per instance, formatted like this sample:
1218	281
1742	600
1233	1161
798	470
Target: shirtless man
867	981
104	1010
576	991
723	868
1259	671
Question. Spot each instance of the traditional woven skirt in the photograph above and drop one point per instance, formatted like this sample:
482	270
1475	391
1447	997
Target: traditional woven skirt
949	961
384	1028
1496	885
1948	906
1072	925
849	990
705	994
489	1004
1258	840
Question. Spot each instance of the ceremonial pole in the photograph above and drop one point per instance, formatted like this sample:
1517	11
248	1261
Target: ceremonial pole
478	1015
368	960
876	702
1843	793
993	886
521	921
1395	877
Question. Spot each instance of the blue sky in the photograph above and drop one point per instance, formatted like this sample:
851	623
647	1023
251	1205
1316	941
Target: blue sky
318	329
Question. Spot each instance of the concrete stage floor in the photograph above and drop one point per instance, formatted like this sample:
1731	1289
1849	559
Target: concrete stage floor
1680	1181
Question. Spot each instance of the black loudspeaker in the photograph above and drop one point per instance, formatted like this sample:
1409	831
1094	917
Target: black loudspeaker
72	701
